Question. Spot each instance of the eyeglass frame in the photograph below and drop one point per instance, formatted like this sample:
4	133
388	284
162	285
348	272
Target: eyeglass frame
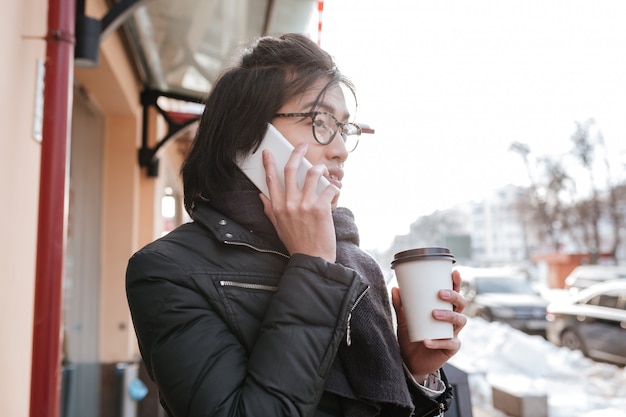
340	126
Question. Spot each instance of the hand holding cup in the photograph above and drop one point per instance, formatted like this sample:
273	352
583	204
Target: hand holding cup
421	274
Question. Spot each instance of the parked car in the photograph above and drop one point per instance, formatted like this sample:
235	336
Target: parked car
501	295
593	321
584	276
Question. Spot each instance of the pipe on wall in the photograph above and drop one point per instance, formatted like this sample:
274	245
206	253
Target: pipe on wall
52	218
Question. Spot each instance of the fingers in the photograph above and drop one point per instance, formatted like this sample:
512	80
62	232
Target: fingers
451	346
458	302
307	186
455	317
271	176
289	185
453	297
295	186
292	167
302	219
397	304
313	183
456	280
395	298
458	320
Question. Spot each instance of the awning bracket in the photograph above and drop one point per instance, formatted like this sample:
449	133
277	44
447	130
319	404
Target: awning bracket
177	122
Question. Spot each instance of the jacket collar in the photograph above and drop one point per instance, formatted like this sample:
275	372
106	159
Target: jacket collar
230	232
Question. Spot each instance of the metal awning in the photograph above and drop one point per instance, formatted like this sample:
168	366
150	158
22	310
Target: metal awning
179	47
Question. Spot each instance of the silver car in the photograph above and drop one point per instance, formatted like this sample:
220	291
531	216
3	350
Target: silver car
584	276
504	297
592	321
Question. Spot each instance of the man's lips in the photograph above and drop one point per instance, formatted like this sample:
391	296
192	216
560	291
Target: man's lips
335	175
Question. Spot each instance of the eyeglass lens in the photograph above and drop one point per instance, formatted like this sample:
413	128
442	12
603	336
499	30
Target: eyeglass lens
326	126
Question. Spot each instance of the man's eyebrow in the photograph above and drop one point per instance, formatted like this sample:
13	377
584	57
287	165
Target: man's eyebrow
327	108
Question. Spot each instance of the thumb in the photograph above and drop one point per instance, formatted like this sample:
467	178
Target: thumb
397	305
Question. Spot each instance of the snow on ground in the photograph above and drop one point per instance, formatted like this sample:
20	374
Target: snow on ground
494	354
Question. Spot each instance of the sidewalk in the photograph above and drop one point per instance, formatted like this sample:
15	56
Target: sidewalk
480	412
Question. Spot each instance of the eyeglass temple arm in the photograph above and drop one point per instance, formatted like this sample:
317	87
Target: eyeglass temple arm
365	128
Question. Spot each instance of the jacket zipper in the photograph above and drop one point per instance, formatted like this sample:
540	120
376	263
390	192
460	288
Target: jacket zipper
440	407
248	286
266	287
275	252
348	330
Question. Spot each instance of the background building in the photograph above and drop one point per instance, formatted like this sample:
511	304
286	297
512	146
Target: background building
495	232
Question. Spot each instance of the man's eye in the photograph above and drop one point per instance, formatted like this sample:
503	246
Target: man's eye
319	123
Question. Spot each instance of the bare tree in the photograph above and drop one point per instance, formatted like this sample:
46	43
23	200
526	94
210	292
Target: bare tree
544	208
553	209
557	208
584	152
616	201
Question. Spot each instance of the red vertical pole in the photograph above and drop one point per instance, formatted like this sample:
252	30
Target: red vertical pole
52	221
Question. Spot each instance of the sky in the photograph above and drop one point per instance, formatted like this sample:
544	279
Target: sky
450	85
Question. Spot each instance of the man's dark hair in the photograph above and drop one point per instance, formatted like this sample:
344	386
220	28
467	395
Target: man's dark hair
244	99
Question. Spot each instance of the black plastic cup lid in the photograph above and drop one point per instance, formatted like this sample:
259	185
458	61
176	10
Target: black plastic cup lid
422	254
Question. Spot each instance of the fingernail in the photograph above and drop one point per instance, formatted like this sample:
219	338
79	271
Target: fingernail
446	293
439	314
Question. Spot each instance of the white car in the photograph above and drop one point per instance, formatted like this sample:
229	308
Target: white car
584	276
592	321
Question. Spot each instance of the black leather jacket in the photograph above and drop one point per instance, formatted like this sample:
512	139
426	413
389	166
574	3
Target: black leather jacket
228	326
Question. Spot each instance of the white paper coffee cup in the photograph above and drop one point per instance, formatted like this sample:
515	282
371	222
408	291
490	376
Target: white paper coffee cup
421	274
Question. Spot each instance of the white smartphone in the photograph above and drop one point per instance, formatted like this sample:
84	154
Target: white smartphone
281	148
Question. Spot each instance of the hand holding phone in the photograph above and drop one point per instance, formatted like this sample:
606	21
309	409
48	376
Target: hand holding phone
281	148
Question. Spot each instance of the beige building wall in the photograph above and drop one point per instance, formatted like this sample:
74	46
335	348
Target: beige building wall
114	89
118	236
22	49
131	201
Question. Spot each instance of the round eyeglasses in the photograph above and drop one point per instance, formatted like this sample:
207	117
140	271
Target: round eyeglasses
325	127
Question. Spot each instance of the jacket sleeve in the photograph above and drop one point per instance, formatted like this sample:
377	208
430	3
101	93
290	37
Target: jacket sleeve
426	406
201	367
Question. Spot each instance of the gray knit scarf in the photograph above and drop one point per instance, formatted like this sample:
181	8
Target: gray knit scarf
368	374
